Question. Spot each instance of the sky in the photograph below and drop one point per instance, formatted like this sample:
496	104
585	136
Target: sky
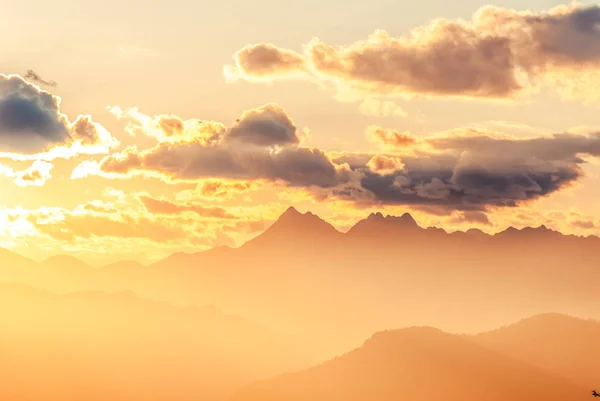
144	131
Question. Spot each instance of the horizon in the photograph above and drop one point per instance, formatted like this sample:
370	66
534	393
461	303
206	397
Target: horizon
292	208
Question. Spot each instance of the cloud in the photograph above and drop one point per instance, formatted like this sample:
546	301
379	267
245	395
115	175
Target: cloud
268	125
34	77
219	189
471	217
31	124
36	175
261	145
471	171
389	138
264	59
584	224
383	165
169	128
498	54
161	206
68	226
30	120
464	170
381	108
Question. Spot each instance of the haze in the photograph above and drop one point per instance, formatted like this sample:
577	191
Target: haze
317	201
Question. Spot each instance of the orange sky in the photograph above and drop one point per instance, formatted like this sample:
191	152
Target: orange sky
185	127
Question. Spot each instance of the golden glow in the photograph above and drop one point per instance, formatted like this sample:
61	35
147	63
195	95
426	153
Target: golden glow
197	198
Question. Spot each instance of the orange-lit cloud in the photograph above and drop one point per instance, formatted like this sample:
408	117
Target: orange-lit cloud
35	175
381	108
161	206
389	137
499	53
265	59
263	144
462	169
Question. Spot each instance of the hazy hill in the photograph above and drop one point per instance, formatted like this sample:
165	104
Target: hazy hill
303	276
418	363
99	346
561	344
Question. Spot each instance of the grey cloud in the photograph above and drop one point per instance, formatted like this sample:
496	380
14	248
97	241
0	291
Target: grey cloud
244	152
34	77
264	126
480	58
30	121
476	172
302	167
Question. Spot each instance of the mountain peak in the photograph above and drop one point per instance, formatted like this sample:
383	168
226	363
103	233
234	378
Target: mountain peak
406	218
376	222
292	225
540	230
290	211
294	217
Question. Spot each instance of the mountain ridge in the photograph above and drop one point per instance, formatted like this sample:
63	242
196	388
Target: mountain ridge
415	363
292	223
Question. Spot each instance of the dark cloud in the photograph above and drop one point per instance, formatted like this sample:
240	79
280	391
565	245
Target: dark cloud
267	125
464	170
565	37
30	120
245	153
295	166
473	171
480	58
31	123
32	76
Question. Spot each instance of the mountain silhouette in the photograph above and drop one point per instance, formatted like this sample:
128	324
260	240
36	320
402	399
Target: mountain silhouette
293	229
117	346
418	363
377	225
302	275
557	343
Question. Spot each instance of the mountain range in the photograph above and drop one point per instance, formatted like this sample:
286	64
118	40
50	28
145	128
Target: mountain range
303	276
302	293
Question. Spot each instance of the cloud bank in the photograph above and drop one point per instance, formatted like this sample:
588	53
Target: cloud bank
459	170
498	54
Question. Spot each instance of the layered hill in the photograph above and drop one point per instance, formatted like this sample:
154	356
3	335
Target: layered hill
557	343
303	276
418	363
106	347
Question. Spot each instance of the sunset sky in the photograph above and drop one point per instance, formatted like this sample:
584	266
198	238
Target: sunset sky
187	125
